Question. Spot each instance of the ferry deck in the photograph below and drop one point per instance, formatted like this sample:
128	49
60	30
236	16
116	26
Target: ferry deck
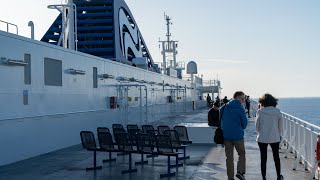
207	161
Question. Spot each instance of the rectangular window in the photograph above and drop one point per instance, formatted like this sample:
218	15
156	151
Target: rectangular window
27	69
95	77
52	72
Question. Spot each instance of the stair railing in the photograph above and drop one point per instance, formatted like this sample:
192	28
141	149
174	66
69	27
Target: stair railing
68	36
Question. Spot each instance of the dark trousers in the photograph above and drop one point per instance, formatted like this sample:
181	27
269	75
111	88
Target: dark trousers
248	108
229	148
263	154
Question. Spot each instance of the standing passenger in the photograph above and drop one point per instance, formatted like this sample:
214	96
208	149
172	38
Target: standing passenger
225	100
208	100
234	121
248	105
214	115
269	128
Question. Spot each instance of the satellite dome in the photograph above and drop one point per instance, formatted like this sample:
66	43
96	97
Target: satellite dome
192	68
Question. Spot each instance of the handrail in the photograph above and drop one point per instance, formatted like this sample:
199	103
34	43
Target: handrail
300	137
10	24
300	121
67	38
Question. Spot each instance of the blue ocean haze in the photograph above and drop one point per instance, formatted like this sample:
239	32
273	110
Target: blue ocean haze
307	109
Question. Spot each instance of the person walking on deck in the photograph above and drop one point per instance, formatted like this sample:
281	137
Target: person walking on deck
269	128
234	121
248	105
208	100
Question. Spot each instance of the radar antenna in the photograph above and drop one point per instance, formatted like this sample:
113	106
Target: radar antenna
169	50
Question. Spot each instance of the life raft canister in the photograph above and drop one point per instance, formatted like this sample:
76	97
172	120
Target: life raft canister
318	150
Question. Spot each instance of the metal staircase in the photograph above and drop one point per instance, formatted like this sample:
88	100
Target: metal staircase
95	28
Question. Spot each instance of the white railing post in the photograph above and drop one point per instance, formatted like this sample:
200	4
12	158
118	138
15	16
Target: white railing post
290	145
300	137
284	136
301	152
305	159
299	158
314	169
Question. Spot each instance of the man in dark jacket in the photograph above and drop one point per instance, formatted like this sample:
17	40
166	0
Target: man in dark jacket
225	100
214	116
208	100
234	121
248	105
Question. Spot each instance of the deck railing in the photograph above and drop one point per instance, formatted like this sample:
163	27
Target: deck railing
9	24
300	138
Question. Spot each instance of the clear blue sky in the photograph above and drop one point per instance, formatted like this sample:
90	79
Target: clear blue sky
256	46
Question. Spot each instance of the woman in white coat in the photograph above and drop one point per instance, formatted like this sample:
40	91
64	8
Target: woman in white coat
269	128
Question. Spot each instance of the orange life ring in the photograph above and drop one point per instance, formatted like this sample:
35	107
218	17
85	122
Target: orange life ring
318	150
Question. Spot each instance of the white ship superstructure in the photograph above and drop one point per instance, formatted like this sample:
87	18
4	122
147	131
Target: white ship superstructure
53	88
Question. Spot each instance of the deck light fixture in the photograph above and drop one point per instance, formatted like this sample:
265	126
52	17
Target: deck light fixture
106	76
141	81
76	71
12	62
132	79
120	78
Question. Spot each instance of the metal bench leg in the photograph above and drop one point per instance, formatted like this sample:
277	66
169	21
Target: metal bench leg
122	154
94	162
142	161
130	170
168	172
110	158
184	154
177	163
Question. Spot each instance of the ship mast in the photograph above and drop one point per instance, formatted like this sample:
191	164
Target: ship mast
169	51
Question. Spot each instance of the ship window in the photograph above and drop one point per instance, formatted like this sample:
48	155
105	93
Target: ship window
52	72
27	69
95	77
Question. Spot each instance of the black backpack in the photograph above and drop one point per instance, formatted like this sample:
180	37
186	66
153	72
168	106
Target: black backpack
218	136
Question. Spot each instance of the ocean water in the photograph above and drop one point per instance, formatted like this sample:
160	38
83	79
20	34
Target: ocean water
307	109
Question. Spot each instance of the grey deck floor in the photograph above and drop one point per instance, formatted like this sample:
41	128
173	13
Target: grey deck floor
206	162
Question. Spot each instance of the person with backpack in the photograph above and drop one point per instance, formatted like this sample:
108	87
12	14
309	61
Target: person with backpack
234	121
213	115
